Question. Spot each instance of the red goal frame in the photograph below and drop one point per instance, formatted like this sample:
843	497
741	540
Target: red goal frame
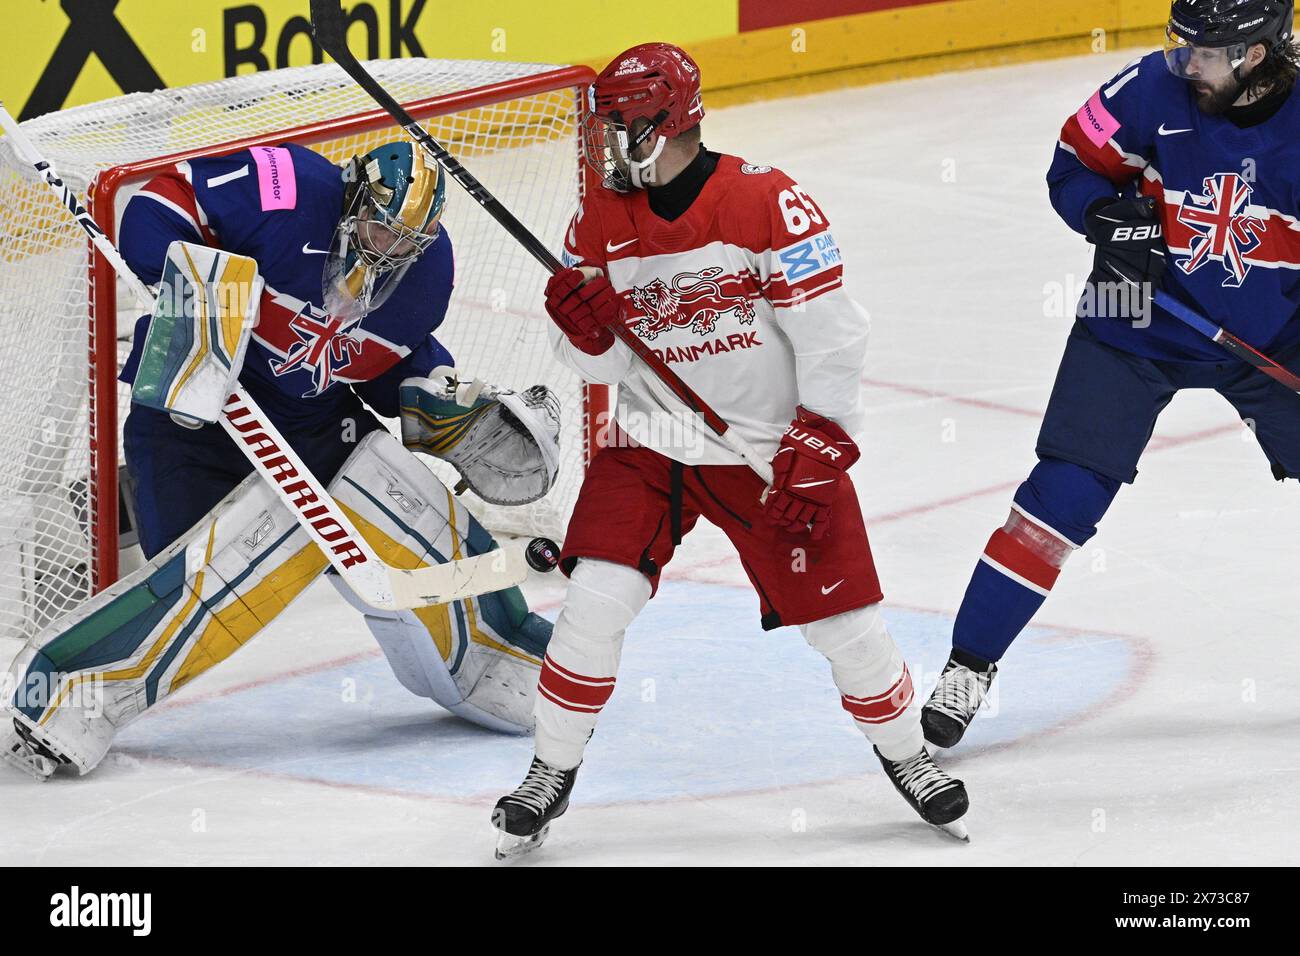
101	202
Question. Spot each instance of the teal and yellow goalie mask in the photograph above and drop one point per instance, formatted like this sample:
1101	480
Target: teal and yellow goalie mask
392	203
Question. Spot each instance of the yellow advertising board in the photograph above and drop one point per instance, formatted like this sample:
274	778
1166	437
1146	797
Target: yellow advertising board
59	53
62	52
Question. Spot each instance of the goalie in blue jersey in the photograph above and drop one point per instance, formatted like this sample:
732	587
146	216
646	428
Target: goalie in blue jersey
1184	173
355	271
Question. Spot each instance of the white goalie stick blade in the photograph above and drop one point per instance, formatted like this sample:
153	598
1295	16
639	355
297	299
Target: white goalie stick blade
457	580
379	584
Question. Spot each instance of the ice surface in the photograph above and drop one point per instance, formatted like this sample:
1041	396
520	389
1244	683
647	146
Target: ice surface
1151	716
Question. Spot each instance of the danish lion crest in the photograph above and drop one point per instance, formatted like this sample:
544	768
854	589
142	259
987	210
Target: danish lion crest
694	300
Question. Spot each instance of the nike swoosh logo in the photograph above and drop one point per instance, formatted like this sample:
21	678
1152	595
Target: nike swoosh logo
307	250
610	247
1171	132
813	484
833	586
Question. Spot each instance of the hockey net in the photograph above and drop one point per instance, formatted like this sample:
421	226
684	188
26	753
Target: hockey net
65	323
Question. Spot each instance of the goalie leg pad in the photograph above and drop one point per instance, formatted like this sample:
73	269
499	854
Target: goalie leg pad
92	672
479	658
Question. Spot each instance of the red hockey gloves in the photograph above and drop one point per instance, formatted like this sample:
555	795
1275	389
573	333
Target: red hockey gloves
584	309
808	468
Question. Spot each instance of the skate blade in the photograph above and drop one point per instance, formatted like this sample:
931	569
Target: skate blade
511	847
36	767
957	830
15	752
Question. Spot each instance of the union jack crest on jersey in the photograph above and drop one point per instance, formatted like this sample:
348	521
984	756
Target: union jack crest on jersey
1224	229
324	347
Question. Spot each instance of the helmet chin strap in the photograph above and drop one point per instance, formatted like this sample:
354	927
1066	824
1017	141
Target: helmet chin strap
642	173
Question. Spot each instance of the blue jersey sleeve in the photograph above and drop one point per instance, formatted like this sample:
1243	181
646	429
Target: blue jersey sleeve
158	215
1106	145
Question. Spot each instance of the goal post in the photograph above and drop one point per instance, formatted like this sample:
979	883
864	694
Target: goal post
65	326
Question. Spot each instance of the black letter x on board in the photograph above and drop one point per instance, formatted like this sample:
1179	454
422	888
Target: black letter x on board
92	28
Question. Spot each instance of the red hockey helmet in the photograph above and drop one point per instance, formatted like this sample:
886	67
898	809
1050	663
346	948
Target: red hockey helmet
650	90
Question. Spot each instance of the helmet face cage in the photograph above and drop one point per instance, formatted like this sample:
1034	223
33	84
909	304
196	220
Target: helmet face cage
381	240
372	247
607	147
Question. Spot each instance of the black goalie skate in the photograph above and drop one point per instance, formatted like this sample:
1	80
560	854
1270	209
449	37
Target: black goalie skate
955	700
523	818
940	799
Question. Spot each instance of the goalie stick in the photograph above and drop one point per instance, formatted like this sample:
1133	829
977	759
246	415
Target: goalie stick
378	584
1228	341
329	26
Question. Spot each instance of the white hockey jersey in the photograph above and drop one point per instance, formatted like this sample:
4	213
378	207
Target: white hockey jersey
742	296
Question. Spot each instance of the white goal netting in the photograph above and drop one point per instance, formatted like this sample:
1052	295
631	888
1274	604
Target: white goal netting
513	125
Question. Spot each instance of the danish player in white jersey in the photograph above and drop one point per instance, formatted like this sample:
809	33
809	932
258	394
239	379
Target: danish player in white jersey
730	272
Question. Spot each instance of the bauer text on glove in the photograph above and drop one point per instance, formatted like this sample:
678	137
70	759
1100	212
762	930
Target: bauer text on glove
814	456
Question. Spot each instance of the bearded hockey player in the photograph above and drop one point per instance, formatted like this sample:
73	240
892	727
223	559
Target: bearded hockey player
1184	172
731	270
355	275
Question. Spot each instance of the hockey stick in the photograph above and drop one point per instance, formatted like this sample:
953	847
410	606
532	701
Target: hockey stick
1228	341
329	25
378	584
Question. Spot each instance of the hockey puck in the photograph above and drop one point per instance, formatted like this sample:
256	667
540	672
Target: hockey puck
542	554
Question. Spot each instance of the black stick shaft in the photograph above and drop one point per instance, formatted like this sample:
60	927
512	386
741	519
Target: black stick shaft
330	29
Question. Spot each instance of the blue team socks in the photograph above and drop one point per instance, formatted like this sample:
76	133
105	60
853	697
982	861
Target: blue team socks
1014	577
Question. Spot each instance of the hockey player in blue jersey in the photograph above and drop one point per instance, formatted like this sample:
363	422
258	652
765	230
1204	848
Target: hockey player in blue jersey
1184	172
310	365
358	272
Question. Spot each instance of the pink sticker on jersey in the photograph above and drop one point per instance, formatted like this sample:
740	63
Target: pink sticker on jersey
1098	122
276	177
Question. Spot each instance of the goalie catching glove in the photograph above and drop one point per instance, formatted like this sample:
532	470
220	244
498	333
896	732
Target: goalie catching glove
814	456
505	445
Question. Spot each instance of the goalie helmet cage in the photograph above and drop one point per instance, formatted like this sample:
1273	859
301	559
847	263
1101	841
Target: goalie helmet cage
515	126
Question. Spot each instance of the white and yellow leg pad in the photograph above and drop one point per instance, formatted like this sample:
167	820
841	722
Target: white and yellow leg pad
479	658
80	680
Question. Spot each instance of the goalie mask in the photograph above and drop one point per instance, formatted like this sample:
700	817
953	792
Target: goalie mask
504	444
392	203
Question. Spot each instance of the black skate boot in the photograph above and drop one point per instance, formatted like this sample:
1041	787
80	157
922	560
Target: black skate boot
962	688
524	816
940	799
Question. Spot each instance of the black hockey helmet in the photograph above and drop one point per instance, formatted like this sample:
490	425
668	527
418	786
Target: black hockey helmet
1220	23
1209	36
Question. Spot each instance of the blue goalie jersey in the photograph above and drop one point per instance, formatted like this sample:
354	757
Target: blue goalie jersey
1228	199
281	206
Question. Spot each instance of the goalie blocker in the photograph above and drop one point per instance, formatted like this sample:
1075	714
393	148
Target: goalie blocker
82	679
